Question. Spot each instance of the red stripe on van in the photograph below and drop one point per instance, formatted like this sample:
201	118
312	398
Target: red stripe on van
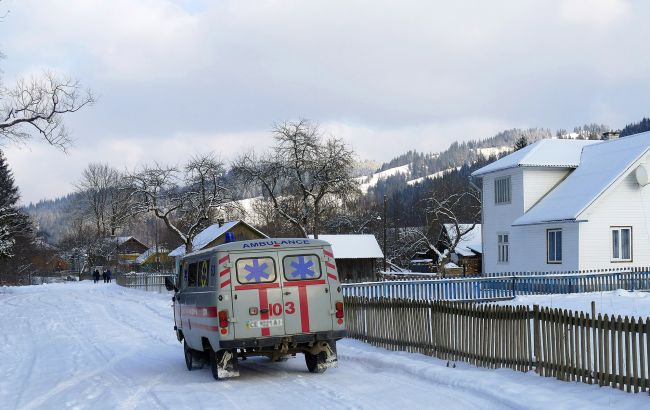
257	286
326	252
332	276
225	283
208	311
264	303
305	282
223	260
304	308
224	272
330	265
206	327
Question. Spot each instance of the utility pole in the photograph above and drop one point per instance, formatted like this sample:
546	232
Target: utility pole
384	220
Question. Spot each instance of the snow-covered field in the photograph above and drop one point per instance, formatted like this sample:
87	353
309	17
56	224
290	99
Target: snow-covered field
618	302
98	346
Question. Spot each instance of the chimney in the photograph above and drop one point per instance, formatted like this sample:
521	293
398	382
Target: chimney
220	221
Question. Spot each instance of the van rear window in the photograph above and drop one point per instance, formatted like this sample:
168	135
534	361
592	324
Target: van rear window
301	267
256	270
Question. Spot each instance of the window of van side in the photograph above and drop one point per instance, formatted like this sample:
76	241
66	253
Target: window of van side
203	273
256	270
301	267
191	275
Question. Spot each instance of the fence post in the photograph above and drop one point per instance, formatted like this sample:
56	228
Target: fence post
537	340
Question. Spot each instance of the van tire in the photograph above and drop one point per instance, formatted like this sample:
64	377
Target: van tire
189	356
213	364
313	361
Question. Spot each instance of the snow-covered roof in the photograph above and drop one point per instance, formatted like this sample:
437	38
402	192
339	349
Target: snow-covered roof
353	246
558	153
601	165
470	243
206	236
149	252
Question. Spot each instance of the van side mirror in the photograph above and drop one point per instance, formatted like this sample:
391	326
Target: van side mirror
169	285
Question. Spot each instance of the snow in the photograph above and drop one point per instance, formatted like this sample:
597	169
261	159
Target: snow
435	175
363	246
368	182
618	302
489	151
471	243
100	346
543	153
600	167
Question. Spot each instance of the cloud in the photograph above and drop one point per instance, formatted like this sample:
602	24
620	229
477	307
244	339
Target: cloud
177	76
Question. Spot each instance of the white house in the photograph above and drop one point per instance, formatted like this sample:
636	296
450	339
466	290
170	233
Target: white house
568	205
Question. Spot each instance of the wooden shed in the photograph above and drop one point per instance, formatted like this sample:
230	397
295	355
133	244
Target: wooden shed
357	256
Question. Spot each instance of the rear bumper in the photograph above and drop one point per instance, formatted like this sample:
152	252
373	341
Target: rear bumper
272	341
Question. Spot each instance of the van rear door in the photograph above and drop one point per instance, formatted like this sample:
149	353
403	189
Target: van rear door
257	296
306	292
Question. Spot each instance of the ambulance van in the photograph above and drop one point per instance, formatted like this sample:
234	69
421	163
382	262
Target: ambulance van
265	297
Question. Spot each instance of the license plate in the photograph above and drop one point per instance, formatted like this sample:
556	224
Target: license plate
264	323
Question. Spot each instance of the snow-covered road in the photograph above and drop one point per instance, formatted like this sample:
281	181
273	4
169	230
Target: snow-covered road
85	345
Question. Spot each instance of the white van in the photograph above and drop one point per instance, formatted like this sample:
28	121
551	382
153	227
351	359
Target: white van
268	297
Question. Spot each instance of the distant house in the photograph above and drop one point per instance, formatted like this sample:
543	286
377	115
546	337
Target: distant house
567	205
48	259
155	258
128	250
215	234
467	255
356	256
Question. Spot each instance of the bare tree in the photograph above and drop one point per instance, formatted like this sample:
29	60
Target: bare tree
107	197
184	198
448	211
314	171
37	106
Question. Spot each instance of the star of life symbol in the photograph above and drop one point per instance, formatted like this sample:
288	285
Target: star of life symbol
256	272
302	269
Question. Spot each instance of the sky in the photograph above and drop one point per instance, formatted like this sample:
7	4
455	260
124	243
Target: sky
175	78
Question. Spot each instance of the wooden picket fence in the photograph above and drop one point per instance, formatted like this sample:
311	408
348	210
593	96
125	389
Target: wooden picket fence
568	345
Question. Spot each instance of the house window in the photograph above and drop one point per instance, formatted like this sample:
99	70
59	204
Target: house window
502	190
554	246
504	245
622	244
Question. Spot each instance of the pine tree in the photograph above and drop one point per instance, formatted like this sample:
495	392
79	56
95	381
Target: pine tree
520	143
12	221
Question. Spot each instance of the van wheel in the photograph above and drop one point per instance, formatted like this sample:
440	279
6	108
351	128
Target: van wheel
214	364
314	360
189	356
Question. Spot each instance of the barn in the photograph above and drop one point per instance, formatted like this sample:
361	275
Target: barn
357	256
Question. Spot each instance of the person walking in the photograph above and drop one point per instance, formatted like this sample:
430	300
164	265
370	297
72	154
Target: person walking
104	276
96	276
109	275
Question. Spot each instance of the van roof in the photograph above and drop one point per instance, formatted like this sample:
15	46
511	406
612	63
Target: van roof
261	244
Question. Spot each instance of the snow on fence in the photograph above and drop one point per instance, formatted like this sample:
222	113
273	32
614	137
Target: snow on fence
142	280
567	345
501	287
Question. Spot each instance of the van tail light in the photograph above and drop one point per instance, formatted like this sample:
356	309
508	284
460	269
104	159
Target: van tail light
339	310
223	318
